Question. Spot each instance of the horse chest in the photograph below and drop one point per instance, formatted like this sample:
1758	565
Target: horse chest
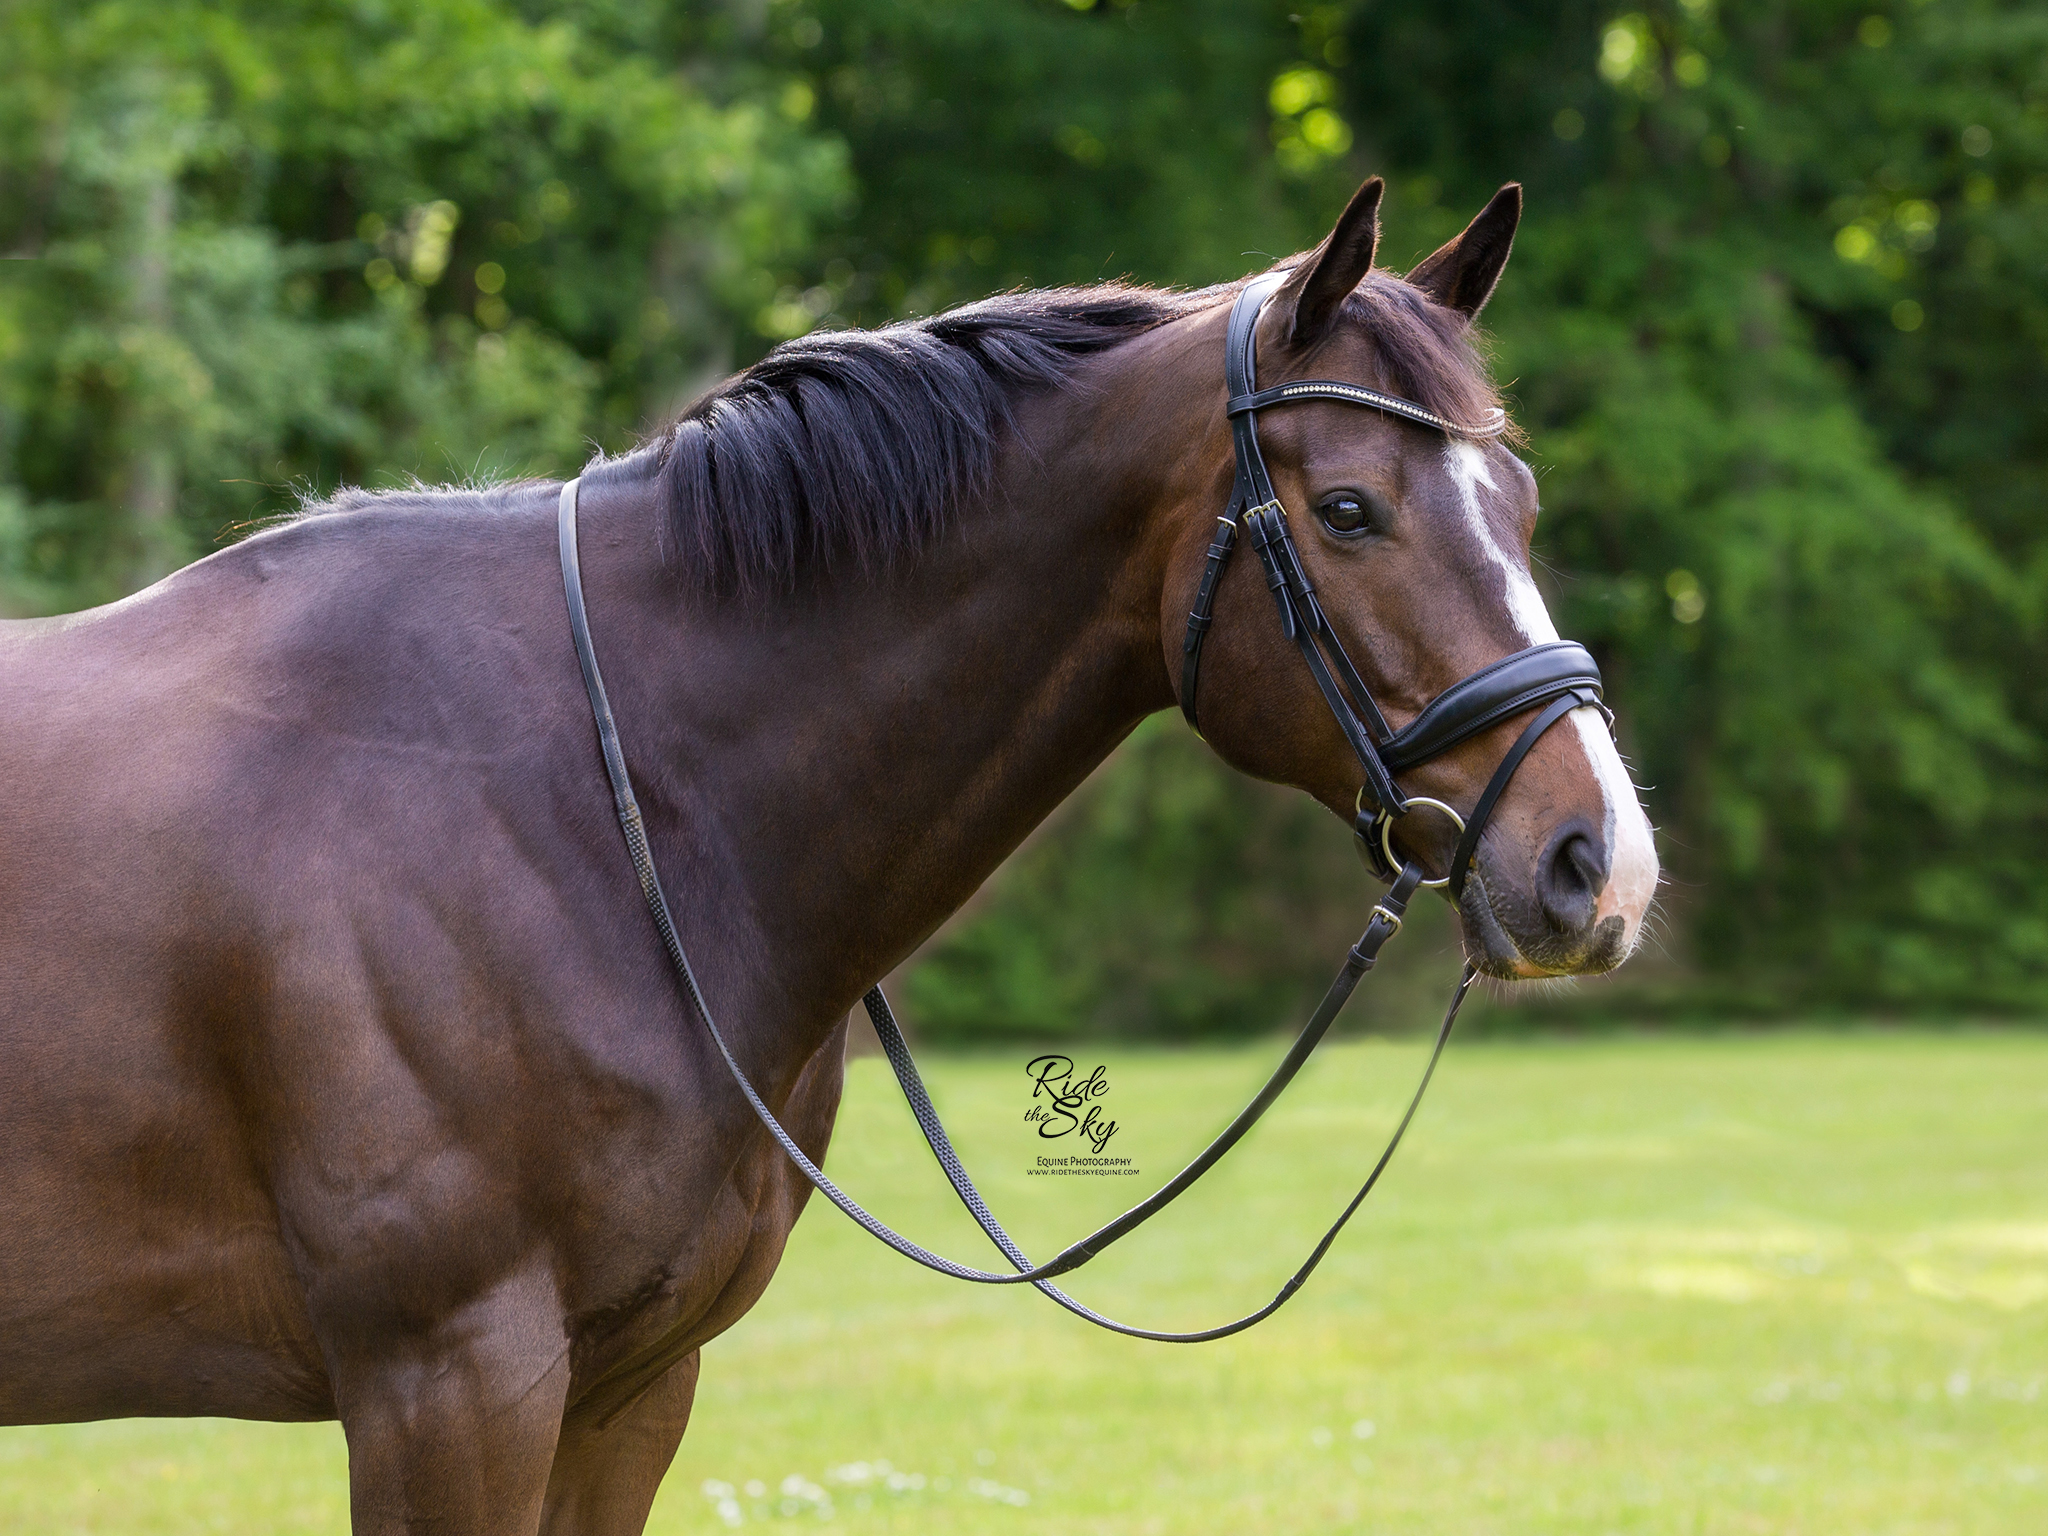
695	1280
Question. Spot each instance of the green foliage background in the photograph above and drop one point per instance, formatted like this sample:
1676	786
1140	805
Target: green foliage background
1776	326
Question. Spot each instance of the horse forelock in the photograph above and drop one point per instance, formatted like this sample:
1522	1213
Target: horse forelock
1429	354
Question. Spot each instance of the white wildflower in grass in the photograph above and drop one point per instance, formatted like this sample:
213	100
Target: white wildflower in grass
859	1483
801	1496
864	1479
996	1493
724	1501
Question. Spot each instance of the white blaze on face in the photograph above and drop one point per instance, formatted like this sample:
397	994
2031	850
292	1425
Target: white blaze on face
1632	852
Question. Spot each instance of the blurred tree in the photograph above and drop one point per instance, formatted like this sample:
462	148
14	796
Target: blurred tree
1770	325
1776	325
1772	322
1217	889
261	249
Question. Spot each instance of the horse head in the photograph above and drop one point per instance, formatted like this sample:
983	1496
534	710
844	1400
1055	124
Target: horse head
1416	541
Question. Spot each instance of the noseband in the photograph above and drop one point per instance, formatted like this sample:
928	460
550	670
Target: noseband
1554	678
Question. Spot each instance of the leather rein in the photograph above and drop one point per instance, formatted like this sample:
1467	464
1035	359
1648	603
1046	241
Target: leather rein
1553	679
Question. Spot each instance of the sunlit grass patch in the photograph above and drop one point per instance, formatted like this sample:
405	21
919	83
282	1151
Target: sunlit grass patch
1727	1264
2002	1263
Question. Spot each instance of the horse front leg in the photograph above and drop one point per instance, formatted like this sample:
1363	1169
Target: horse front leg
452	1428
611	1461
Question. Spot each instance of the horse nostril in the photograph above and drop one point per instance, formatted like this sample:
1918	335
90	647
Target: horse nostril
1570	879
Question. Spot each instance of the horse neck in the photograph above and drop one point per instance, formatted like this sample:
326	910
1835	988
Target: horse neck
839	771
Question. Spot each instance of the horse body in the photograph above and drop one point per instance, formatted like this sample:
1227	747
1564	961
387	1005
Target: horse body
344	1074
343	1011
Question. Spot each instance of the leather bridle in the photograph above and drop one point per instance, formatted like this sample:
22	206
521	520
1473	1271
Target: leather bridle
1553	678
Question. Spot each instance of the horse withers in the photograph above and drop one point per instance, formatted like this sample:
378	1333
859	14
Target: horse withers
343	1073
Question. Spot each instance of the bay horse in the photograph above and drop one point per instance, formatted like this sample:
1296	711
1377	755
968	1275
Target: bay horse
342	1074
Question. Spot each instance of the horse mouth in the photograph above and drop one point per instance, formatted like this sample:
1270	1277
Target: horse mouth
1506	938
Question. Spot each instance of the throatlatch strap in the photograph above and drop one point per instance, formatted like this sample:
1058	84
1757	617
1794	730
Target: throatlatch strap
1203	614
1384	924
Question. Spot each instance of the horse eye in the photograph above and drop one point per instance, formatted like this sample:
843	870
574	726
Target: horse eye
1344	512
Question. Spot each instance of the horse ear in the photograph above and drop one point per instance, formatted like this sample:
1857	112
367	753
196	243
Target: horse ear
1461	275
1329	272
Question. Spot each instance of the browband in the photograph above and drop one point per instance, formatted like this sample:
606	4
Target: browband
1358	394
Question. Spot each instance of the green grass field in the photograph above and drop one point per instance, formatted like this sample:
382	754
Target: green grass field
1729	1283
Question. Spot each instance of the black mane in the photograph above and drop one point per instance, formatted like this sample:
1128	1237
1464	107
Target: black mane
858	448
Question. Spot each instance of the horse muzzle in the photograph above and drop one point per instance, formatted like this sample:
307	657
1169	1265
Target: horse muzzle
1557	918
